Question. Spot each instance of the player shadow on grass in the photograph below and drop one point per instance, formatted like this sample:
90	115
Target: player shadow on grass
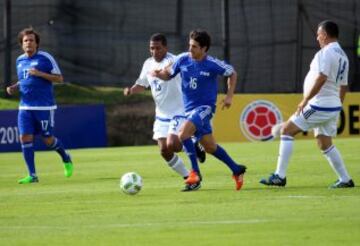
287	188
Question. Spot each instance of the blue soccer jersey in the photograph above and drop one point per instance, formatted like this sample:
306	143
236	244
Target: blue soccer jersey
199	79
36	93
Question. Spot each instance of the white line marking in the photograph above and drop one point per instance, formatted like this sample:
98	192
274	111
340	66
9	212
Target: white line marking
140	225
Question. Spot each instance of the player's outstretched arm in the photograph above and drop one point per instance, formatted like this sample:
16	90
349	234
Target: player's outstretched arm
163	74
50	77
135	89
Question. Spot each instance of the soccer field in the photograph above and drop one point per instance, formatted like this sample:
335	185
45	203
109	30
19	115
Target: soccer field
90	209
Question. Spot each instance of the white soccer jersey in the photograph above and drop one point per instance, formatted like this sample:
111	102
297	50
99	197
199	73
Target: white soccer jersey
167	94
331	61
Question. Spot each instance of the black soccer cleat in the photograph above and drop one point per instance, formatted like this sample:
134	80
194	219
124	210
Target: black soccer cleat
274	180
200	152
338	184
192	187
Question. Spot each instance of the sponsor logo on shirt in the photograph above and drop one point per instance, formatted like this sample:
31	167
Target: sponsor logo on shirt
207	74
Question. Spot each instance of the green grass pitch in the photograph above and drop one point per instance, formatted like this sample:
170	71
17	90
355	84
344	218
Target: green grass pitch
90	209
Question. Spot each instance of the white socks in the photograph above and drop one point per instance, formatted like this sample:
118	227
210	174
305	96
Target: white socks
285	151
331	154
336	162
178	166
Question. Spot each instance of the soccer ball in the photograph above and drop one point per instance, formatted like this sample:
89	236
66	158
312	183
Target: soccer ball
131	183
275	130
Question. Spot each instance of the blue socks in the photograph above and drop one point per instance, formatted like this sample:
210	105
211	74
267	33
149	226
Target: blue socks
28	154
59	147
221	154
191	153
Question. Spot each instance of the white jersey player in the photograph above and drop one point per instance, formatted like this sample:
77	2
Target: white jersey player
169	111
325	87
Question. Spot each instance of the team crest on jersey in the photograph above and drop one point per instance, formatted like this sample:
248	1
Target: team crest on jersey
257	119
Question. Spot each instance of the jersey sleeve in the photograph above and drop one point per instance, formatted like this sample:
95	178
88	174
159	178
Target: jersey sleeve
175	67
54	66
55	69
222	68
142	80
324	62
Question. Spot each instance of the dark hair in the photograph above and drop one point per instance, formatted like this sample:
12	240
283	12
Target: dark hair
330	27
202	37
27	31
159	37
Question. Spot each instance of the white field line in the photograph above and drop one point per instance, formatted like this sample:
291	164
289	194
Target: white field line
317	197
140	225
306	197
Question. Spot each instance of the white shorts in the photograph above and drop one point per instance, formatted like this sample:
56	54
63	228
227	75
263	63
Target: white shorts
323	122
164	127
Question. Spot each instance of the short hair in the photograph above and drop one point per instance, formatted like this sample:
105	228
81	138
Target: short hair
159	37
28	31
202	37
330	27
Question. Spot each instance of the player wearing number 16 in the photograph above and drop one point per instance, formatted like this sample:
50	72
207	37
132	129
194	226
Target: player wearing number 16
199	73
36	71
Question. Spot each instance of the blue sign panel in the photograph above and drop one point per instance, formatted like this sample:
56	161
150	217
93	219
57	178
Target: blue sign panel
76	126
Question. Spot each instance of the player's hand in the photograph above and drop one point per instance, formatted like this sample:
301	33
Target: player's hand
34	72
127	91
12	89
301	106
155	73
226	102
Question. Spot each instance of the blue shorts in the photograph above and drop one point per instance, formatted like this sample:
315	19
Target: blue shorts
36	122
201	117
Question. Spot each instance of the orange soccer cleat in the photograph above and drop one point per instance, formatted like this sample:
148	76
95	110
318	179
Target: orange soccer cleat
239	177
239	181
193	178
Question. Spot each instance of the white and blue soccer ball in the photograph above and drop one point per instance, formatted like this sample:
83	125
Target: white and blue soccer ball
276	129
131	183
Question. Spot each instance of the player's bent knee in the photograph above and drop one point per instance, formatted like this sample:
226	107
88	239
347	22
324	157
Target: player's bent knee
48	141
175	147
26	138
289	129
324	142
174	144
285	130
210	148
166	153
183	136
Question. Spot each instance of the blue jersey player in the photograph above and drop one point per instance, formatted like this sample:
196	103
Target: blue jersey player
199	73
36	71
